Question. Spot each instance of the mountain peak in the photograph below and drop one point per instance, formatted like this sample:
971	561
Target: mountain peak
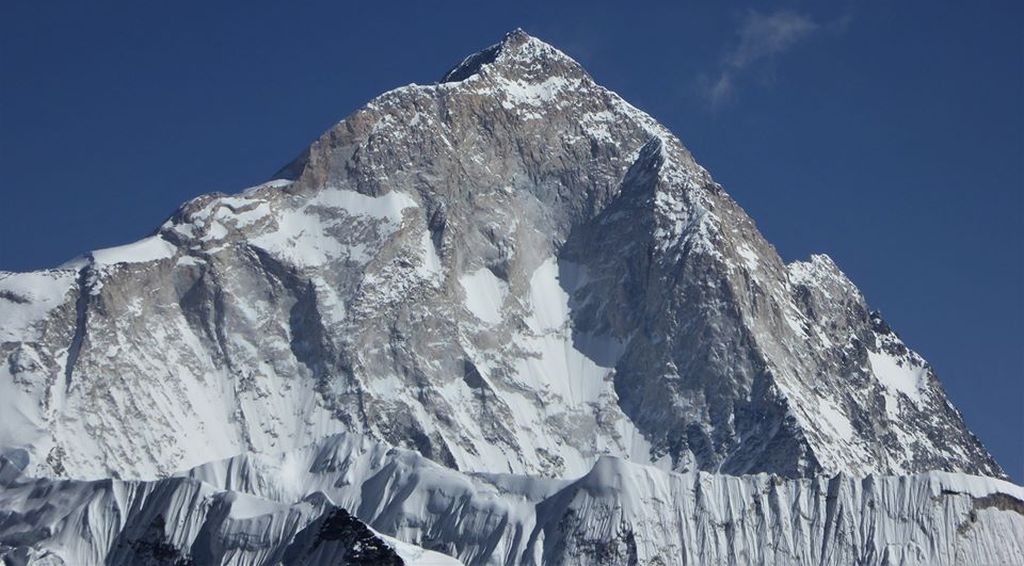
518	36
518	50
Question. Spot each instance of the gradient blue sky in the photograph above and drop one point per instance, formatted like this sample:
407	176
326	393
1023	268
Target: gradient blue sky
889	135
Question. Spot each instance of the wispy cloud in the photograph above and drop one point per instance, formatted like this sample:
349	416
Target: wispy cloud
761	37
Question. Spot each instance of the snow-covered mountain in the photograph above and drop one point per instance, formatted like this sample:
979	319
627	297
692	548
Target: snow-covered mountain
512	271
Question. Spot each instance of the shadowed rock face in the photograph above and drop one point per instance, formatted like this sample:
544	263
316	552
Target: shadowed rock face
512	270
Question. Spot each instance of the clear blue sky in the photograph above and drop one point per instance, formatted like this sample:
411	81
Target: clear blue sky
889	135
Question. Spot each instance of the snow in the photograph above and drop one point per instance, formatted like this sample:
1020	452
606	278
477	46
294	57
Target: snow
28	299
595	124
748	255
216	231
553	362
153	248
554	366
485	294
388	206
304	235
822	273
533	94
616	513
898	376
548	300
272	184
84	521
415	556
23	425
835	419
793	321
251	215
429	267
187	261
245	506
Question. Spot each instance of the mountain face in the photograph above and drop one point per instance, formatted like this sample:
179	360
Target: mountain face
512	271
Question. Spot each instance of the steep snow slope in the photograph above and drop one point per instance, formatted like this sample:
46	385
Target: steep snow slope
182	521
618	513
512	270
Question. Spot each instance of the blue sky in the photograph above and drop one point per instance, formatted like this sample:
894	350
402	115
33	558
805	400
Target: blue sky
889	135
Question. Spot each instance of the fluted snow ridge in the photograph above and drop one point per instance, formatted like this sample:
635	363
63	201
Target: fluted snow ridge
251	510
182	521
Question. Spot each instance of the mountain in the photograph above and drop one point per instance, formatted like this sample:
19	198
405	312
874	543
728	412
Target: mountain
512	271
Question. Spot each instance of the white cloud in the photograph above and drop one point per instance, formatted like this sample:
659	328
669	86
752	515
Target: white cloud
760	37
